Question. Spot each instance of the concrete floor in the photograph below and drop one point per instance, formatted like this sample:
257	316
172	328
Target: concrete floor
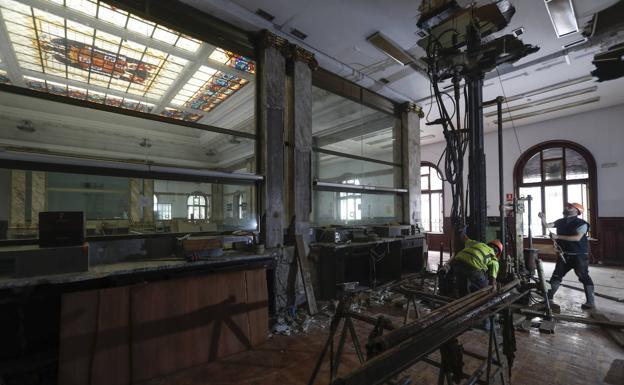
576	354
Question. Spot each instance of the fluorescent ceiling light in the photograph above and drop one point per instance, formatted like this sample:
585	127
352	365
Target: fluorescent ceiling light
390	48
552	87
539	102
551	109
562	16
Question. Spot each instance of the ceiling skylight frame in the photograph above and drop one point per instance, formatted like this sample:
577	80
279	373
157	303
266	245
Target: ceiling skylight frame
65	16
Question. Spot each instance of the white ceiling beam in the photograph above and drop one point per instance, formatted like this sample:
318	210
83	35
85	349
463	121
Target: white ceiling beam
187	73
92	87
70	14
8	56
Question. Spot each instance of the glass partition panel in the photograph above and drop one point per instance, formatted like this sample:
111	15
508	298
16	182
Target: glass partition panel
353	208
343	125
31	124
121	206
336	169
98	53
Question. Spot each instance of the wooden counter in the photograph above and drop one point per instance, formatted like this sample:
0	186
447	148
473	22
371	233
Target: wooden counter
129	322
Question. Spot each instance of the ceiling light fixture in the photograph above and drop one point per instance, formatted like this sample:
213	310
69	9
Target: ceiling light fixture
390	48
552	109
535	103
562	16
542	90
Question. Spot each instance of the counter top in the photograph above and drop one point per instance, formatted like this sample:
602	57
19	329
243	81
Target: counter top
354	244
135	270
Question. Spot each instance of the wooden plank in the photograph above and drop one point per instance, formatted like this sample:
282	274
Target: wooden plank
302	261
616	335
111	361
257	300
182	323
77	336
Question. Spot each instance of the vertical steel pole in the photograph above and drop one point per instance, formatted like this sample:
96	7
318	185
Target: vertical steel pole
530	199
501	187
476	180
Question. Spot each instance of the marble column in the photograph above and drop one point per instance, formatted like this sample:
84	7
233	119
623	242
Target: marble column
271	105
134	200
17	216
301	65
217	205
148	193
410	142
38	197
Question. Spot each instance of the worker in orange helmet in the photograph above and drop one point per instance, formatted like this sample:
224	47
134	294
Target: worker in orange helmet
571	237
475	266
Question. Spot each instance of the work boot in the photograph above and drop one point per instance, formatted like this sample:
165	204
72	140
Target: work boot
589	294
554	285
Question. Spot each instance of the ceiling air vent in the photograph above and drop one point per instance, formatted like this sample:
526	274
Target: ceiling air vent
264	14
297	33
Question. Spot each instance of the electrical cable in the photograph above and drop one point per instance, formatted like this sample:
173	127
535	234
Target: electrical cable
508	111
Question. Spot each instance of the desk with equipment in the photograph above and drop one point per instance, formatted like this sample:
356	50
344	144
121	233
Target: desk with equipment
369	256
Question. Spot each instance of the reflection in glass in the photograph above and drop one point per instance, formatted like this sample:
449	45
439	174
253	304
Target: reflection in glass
342	125
342	208
532	170
119	205
335	169
114	137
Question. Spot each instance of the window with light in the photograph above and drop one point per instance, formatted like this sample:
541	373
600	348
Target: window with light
552	175
431	198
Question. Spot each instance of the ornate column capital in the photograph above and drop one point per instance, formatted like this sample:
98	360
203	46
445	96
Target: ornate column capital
297	53
269	39
411	107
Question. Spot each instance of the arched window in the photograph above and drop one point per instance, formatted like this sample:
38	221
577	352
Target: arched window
431	198
197	205
554	173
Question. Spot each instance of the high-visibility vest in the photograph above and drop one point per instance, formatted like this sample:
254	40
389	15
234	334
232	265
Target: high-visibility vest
479	256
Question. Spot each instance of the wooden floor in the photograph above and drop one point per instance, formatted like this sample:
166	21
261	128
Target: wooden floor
575	355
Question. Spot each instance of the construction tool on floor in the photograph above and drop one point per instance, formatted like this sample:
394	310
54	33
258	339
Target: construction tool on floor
304	269
548	323
392	353
605	296
342	315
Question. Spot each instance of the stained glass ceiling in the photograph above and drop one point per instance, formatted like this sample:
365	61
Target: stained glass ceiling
89	50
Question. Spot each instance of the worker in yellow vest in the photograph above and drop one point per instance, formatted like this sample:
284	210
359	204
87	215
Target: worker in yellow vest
475	266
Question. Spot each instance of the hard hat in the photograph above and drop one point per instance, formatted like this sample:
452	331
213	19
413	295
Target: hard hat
498	244
577	206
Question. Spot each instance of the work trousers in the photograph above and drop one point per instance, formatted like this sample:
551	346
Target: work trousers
578	262
468	279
